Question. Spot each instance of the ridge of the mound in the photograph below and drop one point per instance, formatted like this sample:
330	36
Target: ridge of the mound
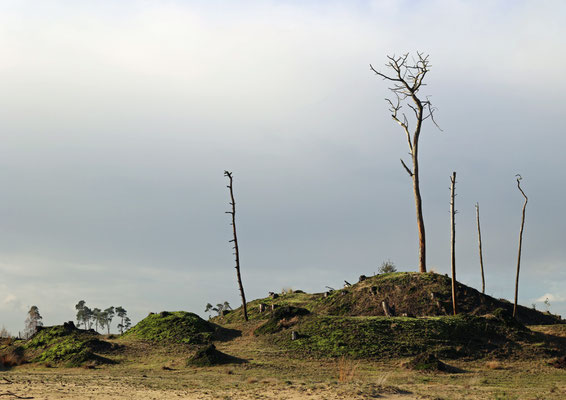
406	293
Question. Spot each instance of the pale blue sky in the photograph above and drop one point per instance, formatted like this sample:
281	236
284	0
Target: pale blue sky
119	118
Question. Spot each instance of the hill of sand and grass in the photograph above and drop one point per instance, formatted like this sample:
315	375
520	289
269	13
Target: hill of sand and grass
347	322
351	321
332	345
407	293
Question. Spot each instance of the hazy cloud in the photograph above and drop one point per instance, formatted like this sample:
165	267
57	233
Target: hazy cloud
119	118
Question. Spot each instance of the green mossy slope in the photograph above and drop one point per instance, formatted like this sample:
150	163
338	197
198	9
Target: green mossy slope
67	346
389	337
172	327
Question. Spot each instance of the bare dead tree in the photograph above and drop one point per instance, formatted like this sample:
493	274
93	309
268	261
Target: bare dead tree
519	178
453	239
407	79
235	241
480	248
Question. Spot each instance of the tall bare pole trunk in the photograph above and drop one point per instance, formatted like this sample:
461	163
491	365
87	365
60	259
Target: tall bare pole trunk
235	240
407	78
520	245
480	248
453	240
419	210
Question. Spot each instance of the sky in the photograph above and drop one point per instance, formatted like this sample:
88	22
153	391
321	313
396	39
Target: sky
118	120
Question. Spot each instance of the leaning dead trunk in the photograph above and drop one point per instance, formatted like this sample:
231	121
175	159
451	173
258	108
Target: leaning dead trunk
235	241
520	245
480	249
453	240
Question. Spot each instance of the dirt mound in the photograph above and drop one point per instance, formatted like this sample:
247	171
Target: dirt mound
427	362
173	327
209	356
418	294
406	293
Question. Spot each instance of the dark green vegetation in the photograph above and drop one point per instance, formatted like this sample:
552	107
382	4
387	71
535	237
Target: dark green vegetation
351	322
61	345
463	336
209	356
427	362
172	327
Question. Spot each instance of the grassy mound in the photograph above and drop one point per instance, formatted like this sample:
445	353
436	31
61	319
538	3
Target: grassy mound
173	327
389	337
67	346
209	356
408	293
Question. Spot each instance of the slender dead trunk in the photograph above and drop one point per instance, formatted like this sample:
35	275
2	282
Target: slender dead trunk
419	210
453	240
407	80
520	245
235	241
480	248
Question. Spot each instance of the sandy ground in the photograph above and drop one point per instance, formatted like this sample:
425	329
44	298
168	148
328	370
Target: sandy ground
160	372
95	385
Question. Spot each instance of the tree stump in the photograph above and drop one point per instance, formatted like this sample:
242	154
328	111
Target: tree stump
261	307
386	309
294	335
273	307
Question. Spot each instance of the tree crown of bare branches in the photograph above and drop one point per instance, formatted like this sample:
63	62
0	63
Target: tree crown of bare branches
407	81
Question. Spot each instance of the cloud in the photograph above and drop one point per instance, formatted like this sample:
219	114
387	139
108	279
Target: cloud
552	298
10	302
120	118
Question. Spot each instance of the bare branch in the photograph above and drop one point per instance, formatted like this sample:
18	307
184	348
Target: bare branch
407	76
407	168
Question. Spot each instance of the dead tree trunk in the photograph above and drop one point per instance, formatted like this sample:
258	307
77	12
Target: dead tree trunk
453	240
386	309
407	78
520	245
235	241
480	248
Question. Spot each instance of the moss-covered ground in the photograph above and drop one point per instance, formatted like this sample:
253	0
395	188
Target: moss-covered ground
172	327
61	346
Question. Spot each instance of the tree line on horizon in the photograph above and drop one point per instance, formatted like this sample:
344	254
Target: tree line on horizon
101	318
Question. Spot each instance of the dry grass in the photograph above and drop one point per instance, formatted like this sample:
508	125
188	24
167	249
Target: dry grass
11	360
347	369
382	379
286	323
493	365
